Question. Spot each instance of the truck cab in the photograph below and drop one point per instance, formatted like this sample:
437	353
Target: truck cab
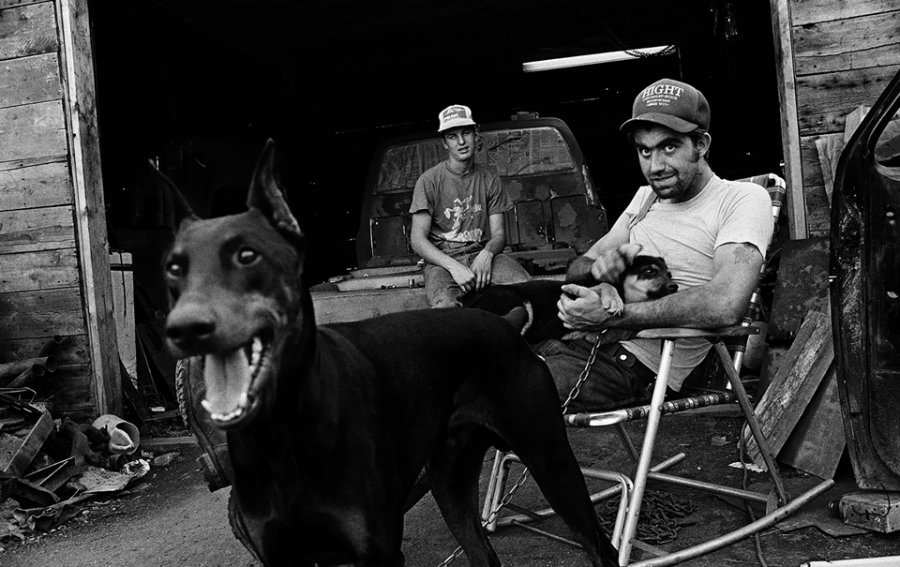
556	215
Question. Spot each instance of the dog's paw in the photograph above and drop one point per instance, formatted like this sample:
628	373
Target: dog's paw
610	299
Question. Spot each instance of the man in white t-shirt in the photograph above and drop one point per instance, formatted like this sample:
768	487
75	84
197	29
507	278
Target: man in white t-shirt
712	233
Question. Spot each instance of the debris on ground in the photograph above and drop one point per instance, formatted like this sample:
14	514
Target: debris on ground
50	467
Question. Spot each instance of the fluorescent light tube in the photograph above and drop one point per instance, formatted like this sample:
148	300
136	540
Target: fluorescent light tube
591	59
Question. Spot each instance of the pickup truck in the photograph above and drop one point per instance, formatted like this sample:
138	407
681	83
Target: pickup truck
556	216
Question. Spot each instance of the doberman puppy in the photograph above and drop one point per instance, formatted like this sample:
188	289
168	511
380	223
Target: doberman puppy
531	306
328	428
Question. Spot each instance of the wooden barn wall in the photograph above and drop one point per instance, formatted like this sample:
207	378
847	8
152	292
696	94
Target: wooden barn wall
40	281
845	53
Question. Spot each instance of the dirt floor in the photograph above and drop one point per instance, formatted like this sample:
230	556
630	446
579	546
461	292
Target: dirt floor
169	518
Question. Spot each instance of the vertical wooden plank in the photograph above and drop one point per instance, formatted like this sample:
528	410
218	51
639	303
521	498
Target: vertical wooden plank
90	219
123	297
790	127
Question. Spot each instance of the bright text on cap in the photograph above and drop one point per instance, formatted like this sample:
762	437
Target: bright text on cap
454	116
661	94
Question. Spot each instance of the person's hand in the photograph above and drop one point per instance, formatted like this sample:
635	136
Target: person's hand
481	267
581	308
463	276
610	266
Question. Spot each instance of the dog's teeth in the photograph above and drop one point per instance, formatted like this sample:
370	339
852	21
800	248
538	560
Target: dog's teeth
256	352
207	406
245	401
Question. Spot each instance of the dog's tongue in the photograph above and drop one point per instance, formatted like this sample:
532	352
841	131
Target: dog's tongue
227	378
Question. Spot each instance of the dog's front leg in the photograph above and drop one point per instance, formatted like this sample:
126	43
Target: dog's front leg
610	299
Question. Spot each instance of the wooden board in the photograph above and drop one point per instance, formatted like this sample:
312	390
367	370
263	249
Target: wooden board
32	230
790	129
46	269
817	442
32	131
802	370
805	12
345	306
72	350
28	30
18	449
823	47
43	185
815	193
29	80
72	391
43	313
12	3
123	301
90	210
824	100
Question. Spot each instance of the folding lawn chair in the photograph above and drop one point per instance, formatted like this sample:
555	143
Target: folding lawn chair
632	489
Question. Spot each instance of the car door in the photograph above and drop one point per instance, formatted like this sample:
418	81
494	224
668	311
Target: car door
865	291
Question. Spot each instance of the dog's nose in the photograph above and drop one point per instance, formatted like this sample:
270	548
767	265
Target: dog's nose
189	330
672	287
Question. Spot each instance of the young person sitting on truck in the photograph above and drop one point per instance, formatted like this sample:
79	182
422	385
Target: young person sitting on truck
457	218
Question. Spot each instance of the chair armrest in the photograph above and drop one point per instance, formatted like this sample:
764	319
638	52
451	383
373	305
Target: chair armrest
686	332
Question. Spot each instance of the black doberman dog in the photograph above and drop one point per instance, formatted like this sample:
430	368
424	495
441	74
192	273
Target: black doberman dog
328	428
531	306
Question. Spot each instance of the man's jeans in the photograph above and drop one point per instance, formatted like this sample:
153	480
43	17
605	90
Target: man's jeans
442	291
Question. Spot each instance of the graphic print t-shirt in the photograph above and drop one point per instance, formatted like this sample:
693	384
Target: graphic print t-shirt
460	205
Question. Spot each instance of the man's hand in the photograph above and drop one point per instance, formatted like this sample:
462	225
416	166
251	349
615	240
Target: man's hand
610	266
581	308
463	276
481	267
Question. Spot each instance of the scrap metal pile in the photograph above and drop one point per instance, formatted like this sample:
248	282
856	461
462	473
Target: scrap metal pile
48	466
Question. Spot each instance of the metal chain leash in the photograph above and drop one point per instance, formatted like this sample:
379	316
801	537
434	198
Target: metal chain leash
659	519
573	393
585	372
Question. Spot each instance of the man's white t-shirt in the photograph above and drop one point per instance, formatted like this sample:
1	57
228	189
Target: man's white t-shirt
686	236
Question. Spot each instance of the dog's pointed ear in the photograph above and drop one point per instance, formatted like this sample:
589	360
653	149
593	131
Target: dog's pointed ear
267	196
181	209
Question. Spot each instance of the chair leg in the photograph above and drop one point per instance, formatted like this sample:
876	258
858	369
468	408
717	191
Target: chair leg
750	416
497	485
643	468
491	487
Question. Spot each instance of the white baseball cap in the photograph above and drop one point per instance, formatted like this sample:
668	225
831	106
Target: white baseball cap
454	116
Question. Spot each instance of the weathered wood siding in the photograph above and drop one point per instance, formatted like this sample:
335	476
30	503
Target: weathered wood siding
40	279
844	54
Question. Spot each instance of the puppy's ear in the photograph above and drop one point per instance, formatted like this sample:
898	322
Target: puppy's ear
629	252
181	209
267	196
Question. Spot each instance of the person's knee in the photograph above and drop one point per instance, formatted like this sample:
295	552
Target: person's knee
507	270
446	303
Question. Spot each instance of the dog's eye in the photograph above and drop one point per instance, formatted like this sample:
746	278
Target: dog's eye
174	269
247	256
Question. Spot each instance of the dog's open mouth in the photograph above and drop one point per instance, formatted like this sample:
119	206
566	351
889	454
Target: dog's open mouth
229	378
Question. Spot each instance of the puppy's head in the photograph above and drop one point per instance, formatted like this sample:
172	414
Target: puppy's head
647	277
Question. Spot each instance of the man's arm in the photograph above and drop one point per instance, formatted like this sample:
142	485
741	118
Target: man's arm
720	302
482	264
418	240
606	259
